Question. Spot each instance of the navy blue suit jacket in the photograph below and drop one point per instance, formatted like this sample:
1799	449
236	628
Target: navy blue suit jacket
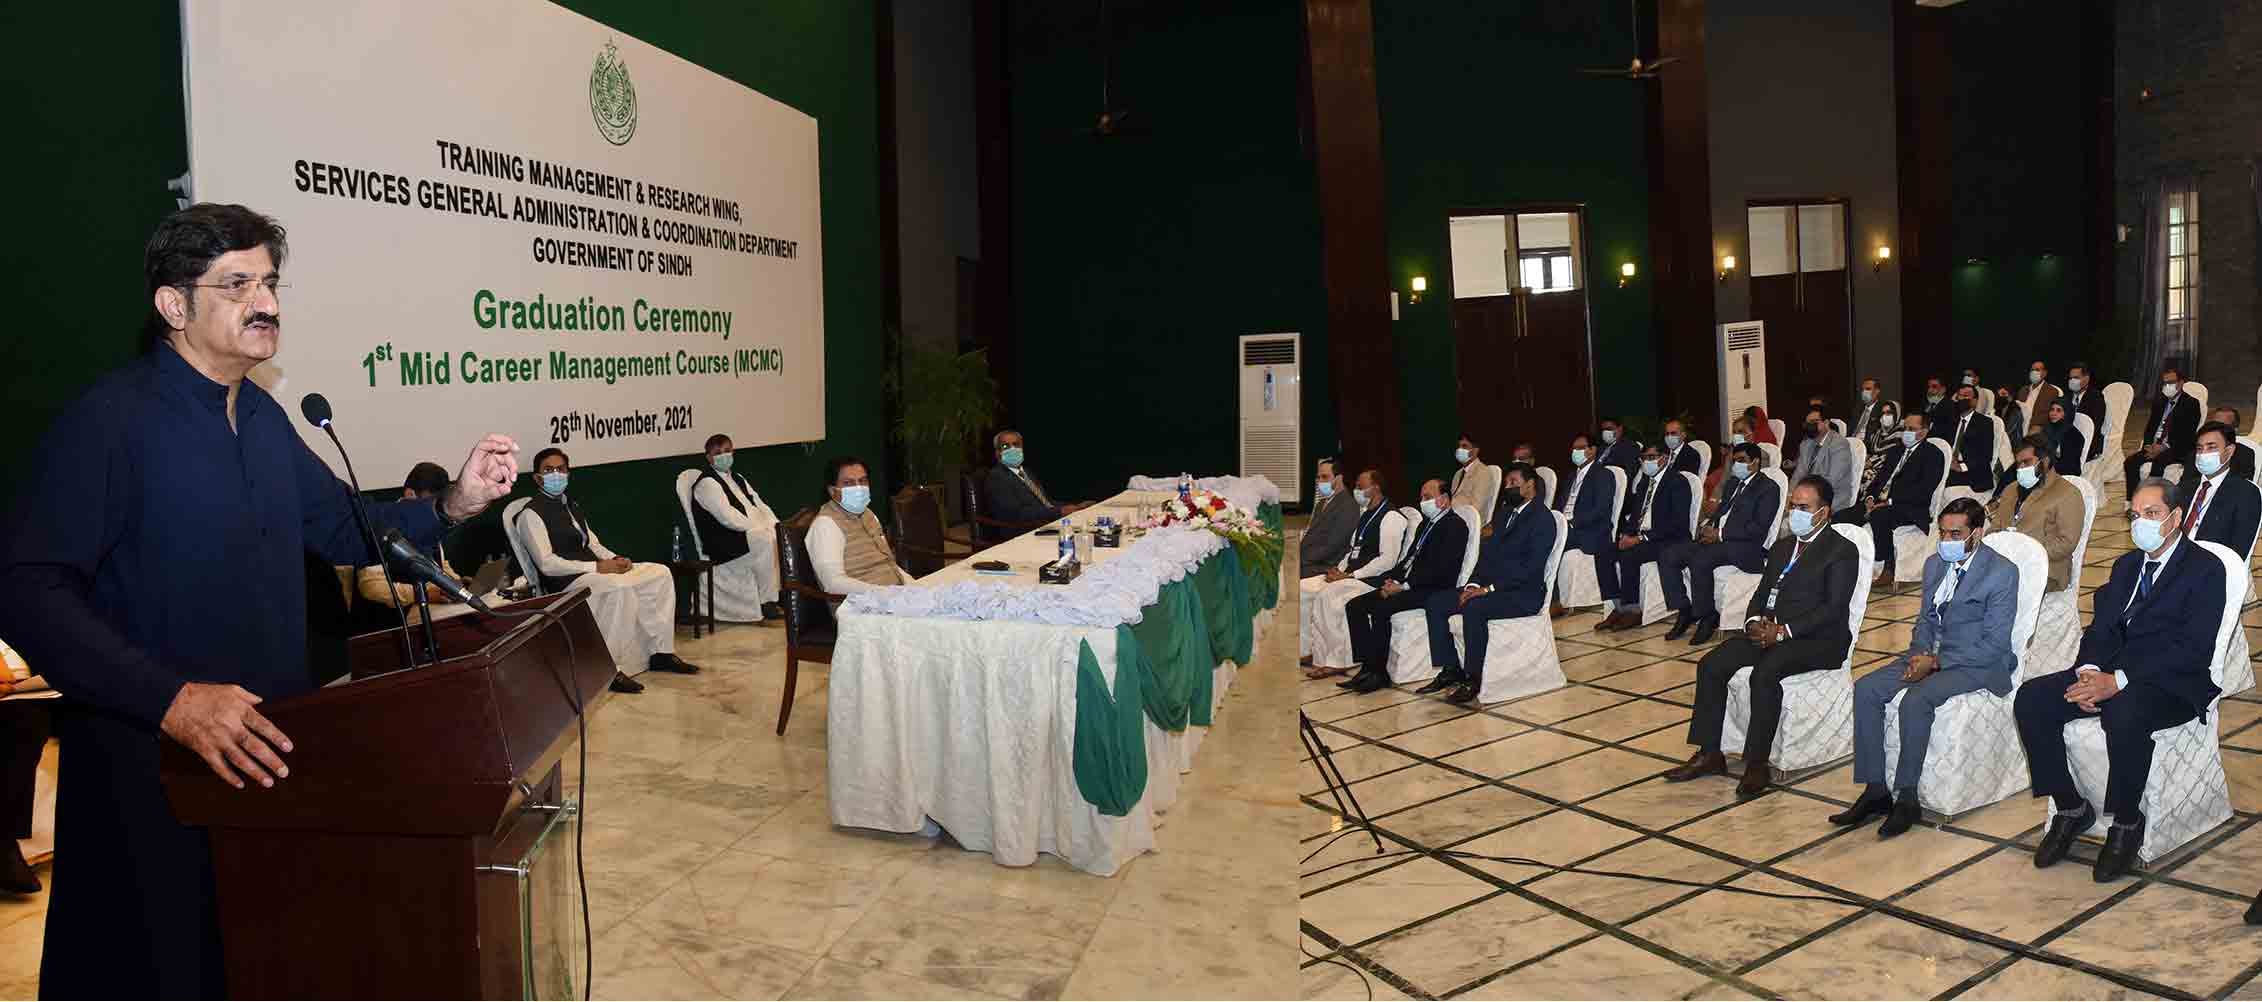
1977	450
2233	509
1590	515
1911	490
1746	517
1437	562
1010	500
2167	640
1668	510
1625	454
1684	460
1514	560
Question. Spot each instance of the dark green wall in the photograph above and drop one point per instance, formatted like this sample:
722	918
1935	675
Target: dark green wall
1481	107
1138	261
108	131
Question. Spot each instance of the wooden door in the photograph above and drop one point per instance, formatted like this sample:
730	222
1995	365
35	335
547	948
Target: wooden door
1800	288
1491	396
1556	372
1520	328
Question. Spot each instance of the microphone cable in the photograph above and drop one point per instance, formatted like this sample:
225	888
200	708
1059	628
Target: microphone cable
581	721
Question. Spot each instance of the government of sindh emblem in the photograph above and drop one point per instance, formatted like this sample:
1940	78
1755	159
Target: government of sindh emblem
612	98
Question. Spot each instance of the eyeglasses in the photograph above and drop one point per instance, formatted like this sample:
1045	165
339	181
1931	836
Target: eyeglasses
241	288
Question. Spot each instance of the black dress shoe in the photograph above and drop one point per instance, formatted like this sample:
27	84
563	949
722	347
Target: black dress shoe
772	610
1906	813
2119	855
1866	806
2059	838
1703	763
1464	695
1681	624
1367	682
1444	680
1704	630
623	683
1353	681
672	664
2254	911
1757	775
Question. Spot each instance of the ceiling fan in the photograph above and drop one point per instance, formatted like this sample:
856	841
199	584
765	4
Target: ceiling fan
1637	68
1111	120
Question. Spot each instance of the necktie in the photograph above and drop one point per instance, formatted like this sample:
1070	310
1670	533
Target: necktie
1641	518
2199	503
2168	407
1033	488
2144	584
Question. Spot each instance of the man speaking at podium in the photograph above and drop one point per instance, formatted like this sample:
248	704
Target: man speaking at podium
153	567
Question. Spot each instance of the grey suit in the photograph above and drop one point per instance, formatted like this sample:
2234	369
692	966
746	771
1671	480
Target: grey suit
1831	459
1328	537
1974	636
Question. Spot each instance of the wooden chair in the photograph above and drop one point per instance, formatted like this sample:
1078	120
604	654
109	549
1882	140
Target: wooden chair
984	530
921	544
809	625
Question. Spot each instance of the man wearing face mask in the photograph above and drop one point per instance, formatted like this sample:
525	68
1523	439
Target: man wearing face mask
1655	516
1508	582
2242	457
1870	419
1618	450
1825	453
1584	499
1431	566
1474	482
739	533
1675	455
2083	398
847	546
1733	535
2168	435
1900	493
1796	623
1378	533
634	603
2043	505
2037	395
1327	537
1010	493
1941	407
1962	643
2219	505
1971	444
2143	666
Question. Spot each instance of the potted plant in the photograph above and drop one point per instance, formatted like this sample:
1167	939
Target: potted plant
948	400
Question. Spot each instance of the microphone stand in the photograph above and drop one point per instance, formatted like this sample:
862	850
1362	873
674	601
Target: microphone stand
369	535
424	612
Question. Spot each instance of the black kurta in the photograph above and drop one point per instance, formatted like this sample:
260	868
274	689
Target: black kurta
152	545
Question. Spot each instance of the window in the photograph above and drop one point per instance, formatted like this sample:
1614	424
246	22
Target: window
1545	248
1546	269
2183	254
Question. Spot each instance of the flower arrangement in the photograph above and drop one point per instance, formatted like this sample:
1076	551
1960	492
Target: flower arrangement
1257	545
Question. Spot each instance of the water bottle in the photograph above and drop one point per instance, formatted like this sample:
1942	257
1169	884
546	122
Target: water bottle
1067	542
676	552
1186	487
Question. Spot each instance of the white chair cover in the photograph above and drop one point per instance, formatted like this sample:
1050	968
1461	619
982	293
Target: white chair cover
1774	452
1732	588
1653	589
2005	458
1704	459
1546	485
2238	670
1521	659
1777	426
1414	521
2254	430
683	483
1974	758
2092	469
518	546
1817	726
2256	447
2198	391
1409	629
1838	425
2186	793
1910	545
2057	633
2118	398
2026	420
1576	584
1861	462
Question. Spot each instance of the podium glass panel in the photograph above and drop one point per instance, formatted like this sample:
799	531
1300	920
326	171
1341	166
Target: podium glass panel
551	945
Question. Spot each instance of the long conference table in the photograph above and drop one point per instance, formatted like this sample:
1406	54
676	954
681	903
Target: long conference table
1026	718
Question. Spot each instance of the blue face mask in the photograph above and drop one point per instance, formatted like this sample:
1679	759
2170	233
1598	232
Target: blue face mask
1326	488
2029	476
1359	494
1802	522
1460	455
554	483
1734	438
721	462
855	499
2208	463
1429	507
1578	457
1908	438
1649	467
1868	395
1739	469
2148	534
1951	550
1673	442
1012	456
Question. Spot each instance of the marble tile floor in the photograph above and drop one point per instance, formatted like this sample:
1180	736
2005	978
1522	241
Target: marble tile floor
715	872
1954	909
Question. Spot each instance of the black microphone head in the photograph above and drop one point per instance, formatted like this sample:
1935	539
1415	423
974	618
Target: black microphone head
316	409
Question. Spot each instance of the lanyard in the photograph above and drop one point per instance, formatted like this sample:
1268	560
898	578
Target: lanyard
1798	549
1366	521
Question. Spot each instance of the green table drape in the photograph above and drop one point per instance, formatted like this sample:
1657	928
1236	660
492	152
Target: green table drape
1111	739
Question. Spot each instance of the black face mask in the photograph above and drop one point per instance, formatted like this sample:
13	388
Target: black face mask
1814	431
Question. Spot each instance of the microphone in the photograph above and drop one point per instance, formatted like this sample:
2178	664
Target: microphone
416	565
316	409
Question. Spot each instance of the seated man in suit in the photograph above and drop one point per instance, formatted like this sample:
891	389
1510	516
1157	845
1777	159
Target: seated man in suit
1971	443
848	548
2084	398
1618	450
634	603
1327	537
2242	460
739	534
1655	516
1825	453
2143	666
1940	408
1474	483
1869	422
1675	454
1431	567
1962	643
2043	505
1901	492
1734	535
2036	395
1508	582
2219	505
2168	435
424	480
1378	532
1011	494
1584	499
1796	623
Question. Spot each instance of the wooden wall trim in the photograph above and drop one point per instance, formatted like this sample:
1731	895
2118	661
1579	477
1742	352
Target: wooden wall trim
1922	79
1679	155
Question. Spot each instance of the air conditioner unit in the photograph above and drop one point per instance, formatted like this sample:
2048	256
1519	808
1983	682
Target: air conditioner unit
1272	428
1743	369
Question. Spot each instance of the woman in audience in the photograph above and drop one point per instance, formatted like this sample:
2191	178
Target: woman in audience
25	722
2066	443
1755	419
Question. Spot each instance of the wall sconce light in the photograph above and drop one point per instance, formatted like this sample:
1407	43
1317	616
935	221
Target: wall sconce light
1421	285
1727	266
1625	274
1883	258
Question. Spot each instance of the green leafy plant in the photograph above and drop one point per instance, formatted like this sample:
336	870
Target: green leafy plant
949	400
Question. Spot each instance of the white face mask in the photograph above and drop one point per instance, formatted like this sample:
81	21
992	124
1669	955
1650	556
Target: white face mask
1672	441
2148	534
1739	469
1971	380
2168	390
1736	438
2033	378
2209	462
2029	476
1868	396
1460	455
1908	438
2073	383
1429	507
1359	494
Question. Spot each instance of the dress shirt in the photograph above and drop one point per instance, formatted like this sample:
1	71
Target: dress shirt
1390	537
827	556
709	494
1571	497
1032	482
1649	493
1798	550
2120	678
2203	498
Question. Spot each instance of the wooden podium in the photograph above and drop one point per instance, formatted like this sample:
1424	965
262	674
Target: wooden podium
389	863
